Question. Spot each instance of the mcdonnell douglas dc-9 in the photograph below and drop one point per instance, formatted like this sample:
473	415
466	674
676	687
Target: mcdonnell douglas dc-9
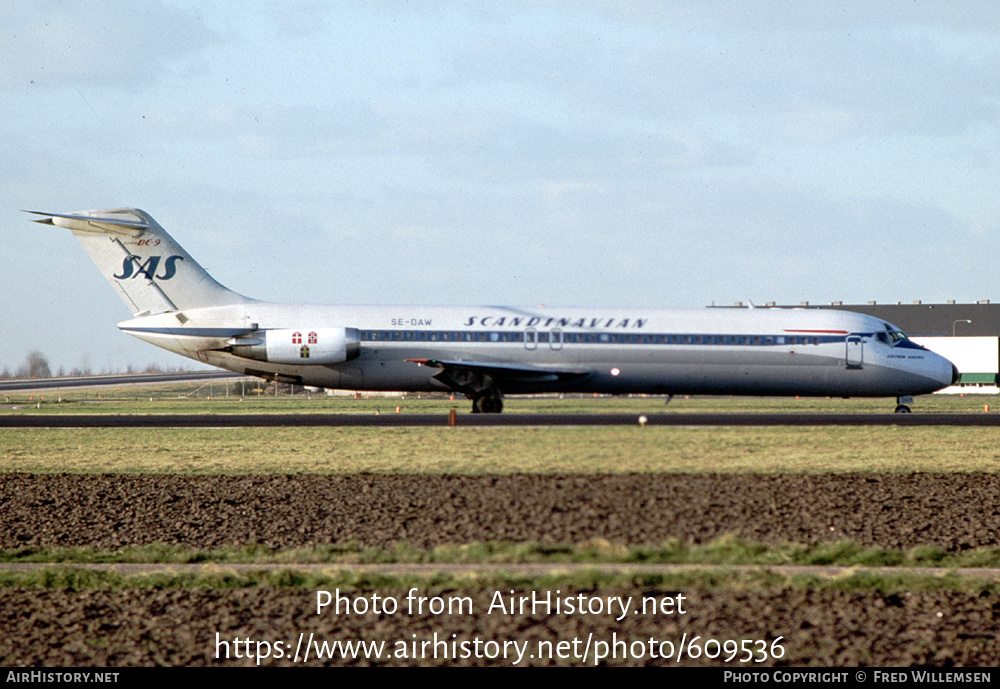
486	352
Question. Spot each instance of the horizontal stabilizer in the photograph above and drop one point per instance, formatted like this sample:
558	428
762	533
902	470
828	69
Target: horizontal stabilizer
127	226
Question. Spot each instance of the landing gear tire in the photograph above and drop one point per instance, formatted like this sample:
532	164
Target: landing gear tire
487	404
902	409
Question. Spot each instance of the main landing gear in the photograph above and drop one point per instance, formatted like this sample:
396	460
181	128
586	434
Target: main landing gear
488	401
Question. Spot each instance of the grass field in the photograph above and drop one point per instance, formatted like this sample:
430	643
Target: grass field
500	450
721	551
78	579
481	450
465	450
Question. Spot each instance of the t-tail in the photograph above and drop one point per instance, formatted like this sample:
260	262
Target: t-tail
148	269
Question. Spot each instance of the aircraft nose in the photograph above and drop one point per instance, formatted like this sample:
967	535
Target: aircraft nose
942	371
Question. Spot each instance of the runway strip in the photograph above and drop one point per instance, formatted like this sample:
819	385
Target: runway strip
267	420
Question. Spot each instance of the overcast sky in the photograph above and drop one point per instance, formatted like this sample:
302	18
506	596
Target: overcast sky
566	153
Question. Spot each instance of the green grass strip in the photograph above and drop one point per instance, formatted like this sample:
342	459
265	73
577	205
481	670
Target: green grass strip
72	579
722	551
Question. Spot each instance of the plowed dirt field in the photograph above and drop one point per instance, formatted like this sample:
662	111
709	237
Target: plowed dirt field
819	625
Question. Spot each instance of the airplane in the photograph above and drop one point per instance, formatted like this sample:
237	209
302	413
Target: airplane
487	352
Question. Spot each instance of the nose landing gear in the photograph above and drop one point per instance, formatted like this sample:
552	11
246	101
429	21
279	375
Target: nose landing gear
902	404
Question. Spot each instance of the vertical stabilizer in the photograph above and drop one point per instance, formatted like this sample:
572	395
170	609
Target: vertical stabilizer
149	270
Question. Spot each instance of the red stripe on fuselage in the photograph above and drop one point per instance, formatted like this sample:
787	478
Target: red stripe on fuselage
829	332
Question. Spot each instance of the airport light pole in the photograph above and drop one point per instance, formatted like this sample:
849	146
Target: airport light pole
954	323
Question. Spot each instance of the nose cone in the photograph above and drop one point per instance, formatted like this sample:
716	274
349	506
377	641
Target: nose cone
931	373
944	372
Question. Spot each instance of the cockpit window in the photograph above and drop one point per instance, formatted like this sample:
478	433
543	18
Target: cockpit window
892	334
894	337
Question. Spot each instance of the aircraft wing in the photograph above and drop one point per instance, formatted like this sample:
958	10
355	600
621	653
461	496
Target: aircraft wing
469	377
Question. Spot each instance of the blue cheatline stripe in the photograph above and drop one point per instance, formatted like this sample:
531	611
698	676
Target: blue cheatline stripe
540	337
599	338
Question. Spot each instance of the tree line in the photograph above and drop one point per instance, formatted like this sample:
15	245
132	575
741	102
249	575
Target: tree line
36	365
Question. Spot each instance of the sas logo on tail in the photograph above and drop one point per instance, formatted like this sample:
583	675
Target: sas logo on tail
133	267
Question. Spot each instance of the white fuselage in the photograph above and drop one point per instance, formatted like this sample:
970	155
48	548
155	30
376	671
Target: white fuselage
660	351
485	352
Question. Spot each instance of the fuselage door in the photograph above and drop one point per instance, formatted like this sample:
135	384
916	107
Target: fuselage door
855	351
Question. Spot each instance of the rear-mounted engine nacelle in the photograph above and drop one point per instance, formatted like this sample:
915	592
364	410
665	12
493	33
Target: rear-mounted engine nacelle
301	346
